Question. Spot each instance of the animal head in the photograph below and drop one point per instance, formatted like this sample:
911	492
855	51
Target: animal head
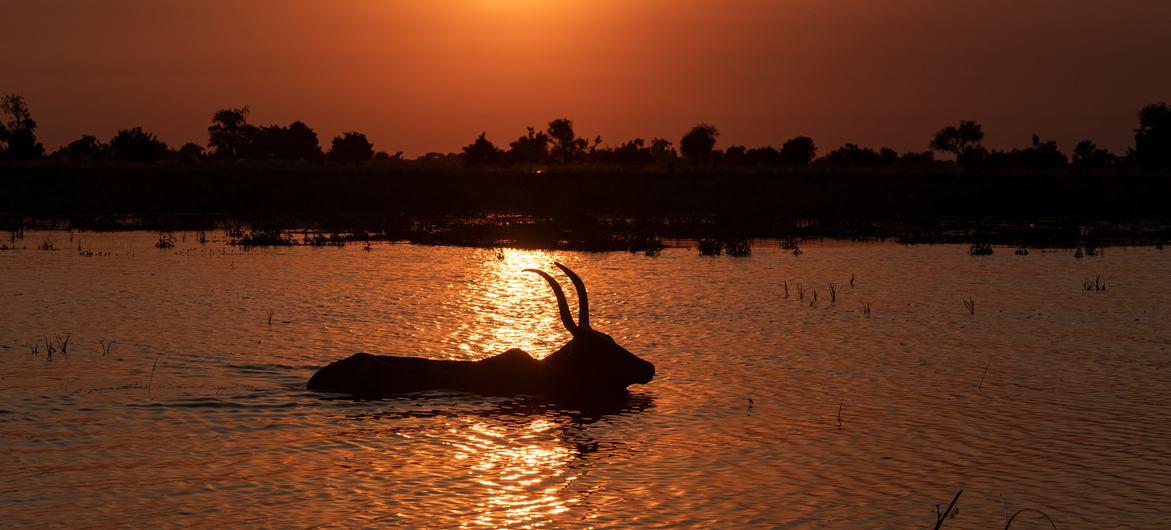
591	361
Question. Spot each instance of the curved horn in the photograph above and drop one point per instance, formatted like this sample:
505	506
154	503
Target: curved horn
562	304
583	301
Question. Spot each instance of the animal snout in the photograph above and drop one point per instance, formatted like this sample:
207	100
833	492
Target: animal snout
647	373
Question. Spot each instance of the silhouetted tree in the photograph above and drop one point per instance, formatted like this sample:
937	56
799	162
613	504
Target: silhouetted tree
1039	156
851	155
482	152
957	140
1152	139
351	147
698	143
661	149
190	152
920	160
136	145
798	152
888	156
230	136
735	156
566	146
532	148
295	142
85	149
18	133
763	156
1087	155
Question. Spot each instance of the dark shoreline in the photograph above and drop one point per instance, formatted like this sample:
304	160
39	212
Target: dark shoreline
591	208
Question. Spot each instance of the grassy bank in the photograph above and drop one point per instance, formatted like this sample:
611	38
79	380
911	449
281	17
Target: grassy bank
595	206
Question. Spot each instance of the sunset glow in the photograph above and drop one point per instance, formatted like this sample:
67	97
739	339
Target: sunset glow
429	76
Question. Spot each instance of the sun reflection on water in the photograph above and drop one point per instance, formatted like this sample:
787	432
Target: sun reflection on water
523	470
514	309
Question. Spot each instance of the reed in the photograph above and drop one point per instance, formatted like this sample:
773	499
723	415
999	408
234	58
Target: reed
63	343
800	292
150	383
270	315
813	300
833	292
970	304
851	280
950	513
980	249
105	347
980	386
46	245
786	284
866	308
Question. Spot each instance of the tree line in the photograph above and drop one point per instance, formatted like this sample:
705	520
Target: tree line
232	137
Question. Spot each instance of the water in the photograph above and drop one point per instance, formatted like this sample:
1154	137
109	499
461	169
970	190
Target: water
1049	396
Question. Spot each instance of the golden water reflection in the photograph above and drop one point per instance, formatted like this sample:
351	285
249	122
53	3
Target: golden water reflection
513	308
522	466
523	471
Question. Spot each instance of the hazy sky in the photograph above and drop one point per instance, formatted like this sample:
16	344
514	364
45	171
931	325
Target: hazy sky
429	75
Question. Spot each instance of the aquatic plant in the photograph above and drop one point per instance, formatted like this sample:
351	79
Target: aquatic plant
1098	284
151	381
970	304
1022	251
833	292
710	247
270	315
786	284
950	513
63	343
980	249
800	291
166	241
105	346
46	245
266	237
980	386
851	279
738	248
201	237
866	308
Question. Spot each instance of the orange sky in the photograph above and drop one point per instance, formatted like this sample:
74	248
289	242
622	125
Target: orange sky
429	75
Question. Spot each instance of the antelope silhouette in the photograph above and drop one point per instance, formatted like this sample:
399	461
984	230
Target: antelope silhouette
591	364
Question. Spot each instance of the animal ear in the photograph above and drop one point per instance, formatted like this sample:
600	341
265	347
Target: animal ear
583	301
562	304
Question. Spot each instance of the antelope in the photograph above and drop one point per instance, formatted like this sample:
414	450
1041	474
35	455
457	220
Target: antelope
591	364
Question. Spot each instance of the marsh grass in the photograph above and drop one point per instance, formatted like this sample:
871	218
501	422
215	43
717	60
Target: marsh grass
980	249
1097	284
951	512
166	241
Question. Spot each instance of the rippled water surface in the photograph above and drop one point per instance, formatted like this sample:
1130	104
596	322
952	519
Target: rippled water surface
1049	396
